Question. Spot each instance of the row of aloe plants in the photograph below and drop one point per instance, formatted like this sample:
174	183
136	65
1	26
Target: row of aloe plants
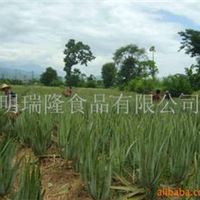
29	184
155	149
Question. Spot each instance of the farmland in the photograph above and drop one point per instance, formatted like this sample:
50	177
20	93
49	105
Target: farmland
98	156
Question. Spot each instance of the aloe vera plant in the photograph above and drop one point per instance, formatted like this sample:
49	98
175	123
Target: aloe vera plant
154	149
8	167
41	138
35	130
69	136
23	128
181	151
152	146
5	122
97	171
30	183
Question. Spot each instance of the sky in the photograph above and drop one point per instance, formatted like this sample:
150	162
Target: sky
33	33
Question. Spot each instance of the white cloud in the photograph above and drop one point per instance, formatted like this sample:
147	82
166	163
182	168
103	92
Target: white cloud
37	31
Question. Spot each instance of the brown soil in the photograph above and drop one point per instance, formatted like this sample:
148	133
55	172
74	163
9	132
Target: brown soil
59	180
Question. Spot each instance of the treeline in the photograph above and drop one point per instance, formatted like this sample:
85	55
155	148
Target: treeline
77	79
131	69
50	78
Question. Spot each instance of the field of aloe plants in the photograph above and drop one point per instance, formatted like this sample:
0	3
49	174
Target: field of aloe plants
118	156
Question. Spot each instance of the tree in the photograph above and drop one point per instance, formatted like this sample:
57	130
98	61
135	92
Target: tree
128	51
177	84
76	53
91	81
108	73
77	78
153	50
49	76
193	74
129	69
151	68
190	42
132	62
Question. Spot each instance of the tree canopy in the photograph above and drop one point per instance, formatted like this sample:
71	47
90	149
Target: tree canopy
128	51
76	53
108	73
49	77
190	42
133	63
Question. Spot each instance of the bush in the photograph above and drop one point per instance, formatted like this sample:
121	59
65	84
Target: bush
177	84
143	85
91	84
56	82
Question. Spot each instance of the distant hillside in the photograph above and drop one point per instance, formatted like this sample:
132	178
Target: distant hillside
17	74
25	70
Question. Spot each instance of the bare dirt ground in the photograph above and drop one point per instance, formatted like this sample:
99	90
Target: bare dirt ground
59	180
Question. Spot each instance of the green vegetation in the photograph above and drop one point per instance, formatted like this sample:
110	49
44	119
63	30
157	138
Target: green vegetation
8	168
131	69
147	150
177	84
109	72
119	156
35	132
50	78
76	53
29	184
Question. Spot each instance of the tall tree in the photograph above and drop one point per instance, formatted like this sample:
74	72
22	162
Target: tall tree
190	42
108	73
49	76
131	61
193	74
128	51
151	68
152	49
76	53
77	78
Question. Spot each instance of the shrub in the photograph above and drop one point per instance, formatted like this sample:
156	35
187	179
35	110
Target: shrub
177	84
143	85
91	84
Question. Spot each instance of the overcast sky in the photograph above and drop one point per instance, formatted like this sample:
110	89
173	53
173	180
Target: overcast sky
34	32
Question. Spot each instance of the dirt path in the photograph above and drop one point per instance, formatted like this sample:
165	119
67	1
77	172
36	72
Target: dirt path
60	182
